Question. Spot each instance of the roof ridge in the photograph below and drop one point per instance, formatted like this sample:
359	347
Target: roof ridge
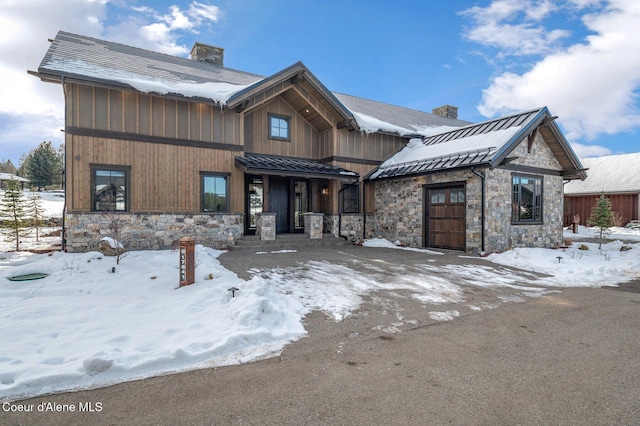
389	104
154	52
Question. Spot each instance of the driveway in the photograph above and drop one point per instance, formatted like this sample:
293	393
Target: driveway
509	352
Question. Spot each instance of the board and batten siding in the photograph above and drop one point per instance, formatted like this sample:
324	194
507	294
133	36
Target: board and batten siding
137	113
165	176
172	187
305	139
367	146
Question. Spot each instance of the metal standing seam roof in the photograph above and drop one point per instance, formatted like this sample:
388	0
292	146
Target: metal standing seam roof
267	164
609	174
463	155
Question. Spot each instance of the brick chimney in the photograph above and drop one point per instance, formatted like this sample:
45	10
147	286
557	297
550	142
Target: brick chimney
206	53
446	111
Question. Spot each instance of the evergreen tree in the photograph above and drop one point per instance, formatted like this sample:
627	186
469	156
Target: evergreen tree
14	213
601	216
35	211
42	166
6	166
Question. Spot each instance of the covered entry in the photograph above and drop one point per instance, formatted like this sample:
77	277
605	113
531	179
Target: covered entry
289	187
444	214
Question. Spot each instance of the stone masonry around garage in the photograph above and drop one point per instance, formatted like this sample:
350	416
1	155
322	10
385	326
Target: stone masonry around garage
153	231
399	204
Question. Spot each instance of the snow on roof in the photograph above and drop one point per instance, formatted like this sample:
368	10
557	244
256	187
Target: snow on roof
9	176
610	174
215	91
416	150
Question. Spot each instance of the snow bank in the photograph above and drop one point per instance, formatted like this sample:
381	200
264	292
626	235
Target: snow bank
573	267
84	326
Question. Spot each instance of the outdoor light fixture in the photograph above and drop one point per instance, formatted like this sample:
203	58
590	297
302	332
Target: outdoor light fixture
324	190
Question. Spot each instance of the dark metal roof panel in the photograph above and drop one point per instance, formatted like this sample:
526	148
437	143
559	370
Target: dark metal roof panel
286	165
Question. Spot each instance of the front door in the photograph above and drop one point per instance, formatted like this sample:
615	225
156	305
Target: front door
445	217
279	203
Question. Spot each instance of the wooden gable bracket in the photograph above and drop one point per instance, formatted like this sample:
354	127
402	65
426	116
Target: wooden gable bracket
293	80
242	106
534	134
531	138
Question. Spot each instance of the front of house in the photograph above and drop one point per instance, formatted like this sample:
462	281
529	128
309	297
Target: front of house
186	147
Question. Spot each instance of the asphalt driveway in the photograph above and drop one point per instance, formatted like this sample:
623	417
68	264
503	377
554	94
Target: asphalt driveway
528	356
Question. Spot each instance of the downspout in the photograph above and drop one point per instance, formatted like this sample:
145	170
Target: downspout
482	202
364	210
64	175
340	208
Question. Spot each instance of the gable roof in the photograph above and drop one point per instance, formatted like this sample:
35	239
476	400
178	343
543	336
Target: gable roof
10	176
610	174
82	59
487	144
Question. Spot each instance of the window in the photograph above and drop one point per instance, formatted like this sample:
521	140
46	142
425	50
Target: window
279	127
350	198
526	203
214	193
110	188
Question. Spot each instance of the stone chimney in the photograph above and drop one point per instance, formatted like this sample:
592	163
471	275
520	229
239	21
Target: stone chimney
205	53
446	111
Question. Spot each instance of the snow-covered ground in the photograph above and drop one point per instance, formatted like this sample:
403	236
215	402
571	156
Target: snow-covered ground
85	326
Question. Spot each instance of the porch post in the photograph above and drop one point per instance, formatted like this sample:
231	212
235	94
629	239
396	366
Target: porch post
313	224
266	226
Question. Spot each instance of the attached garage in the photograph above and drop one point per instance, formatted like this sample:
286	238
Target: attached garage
445	216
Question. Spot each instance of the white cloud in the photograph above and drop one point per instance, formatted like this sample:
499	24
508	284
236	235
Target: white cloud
592	86
32	111
587	151
527	36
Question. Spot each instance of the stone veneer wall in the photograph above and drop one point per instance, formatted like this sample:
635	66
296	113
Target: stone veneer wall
351	226
154	231
399	205
501	233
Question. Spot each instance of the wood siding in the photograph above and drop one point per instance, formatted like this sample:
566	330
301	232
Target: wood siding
164	178
305	139
625	207
130	112
367	146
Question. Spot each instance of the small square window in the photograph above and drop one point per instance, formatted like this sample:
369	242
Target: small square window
279	127
214	193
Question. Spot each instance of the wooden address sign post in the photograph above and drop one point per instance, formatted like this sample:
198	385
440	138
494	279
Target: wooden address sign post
187	261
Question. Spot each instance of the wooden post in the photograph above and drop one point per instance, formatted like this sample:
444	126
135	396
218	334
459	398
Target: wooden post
187	261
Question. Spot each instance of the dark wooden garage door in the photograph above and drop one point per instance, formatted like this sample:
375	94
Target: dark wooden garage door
445	213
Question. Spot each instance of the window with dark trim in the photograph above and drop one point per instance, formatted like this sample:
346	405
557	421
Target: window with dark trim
526	200
279	127
214	194
350	198
110	188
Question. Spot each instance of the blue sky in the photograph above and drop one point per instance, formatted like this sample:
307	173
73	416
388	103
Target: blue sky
488	57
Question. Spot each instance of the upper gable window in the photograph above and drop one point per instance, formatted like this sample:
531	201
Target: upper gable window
279	127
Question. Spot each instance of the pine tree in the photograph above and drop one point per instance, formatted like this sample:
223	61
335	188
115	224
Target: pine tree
601	216
35	211
13	212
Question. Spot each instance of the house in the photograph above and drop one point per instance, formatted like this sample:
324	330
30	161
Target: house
187	147
4	177
615	176
190	147
484	187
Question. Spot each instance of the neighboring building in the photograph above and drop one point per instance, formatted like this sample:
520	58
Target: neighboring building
186	147
4	177
617	177
485	187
